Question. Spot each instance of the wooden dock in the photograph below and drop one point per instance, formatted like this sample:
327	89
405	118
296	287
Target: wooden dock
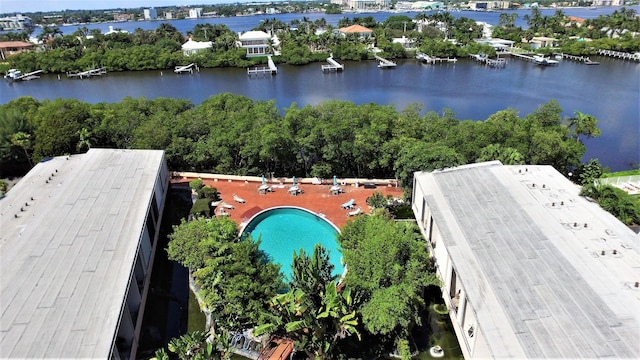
620	55
88	73
432	59
384	63
582	59
333	66
497	63
522	56
271	69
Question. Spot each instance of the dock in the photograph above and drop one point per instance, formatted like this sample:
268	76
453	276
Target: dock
384	63
497	63
432	59
272	69
88	73
185	69
522	56
582	59
333	66
620	55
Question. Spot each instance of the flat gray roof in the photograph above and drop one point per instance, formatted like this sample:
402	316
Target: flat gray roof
528	251
66	259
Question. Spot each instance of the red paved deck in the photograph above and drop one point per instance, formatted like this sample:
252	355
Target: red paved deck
316	198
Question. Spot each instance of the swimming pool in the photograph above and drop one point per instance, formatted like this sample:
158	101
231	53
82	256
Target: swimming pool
284	230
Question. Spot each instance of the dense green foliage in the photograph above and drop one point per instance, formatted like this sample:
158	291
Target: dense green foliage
388	267
234	277
233	134
303	41
314	312
607	32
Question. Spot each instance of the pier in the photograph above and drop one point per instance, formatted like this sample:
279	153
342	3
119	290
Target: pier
333	66
88	73
185	69
582	59
620	55
384	63
432	60
522	56
489	62
272	69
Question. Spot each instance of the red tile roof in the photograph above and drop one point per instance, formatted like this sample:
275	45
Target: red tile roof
359	29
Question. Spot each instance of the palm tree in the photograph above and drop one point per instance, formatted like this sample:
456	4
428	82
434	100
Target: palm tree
199	345
584	124
316	330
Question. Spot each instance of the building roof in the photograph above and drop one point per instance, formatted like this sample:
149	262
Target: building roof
358	29
66	259
14	44
196	45
254	35
548	273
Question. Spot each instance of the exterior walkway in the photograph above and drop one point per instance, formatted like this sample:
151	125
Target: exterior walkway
316	198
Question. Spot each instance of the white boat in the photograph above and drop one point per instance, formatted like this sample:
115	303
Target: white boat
541	60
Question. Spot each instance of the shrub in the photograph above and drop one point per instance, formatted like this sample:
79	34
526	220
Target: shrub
201	208
209	193
196	184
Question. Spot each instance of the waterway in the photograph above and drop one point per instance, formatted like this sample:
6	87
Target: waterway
609	91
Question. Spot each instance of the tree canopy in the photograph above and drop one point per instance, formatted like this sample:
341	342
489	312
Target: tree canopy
234	277
233	134
388	268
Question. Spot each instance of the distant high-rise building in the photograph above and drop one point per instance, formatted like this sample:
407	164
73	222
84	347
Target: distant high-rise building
195	13
150	14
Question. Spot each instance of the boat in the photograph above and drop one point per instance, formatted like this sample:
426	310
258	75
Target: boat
541	60
14	75
589	62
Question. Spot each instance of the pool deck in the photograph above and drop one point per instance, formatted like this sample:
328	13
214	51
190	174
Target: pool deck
316	198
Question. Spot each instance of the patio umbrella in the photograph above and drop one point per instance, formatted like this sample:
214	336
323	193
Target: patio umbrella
264	182
294	181
335	181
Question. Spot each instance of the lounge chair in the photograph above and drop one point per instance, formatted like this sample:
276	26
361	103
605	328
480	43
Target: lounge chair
224	205
348	204
335	190
238	199
294	190
355	212
223	212
316	181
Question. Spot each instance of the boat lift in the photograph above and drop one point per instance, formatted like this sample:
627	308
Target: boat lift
14	75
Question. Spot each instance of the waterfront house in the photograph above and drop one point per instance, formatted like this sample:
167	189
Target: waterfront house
79	235
359	30
8	48
496	43
529	268
538	42
114	31
192	47
257	43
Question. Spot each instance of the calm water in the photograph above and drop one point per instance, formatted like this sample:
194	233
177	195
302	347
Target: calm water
286	230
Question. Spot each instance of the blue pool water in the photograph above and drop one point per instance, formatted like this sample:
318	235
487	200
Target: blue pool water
285	230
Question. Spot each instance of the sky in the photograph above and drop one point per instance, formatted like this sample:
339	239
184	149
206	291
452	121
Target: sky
11	6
